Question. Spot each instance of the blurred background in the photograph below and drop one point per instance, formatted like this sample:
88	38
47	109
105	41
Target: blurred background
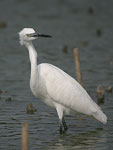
85	24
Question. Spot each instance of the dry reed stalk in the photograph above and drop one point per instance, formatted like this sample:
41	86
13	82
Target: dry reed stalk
77	64
25	136
100	94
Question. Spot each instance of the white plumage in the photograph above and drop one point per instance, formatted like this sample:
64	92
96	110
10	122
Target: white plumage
56	88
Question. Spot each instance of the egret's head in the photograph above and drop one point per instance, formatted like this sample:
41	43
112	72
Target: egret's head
28	34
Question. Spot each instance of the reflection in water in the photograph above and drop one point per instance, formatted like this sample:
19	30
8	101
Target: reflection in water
89	140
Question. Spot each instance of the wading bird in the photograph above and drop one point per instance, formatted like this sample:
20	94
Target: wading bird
55	87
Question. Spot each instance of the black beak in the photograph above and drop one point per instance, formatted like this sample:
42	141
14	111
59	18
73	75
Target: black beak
40	35
44	35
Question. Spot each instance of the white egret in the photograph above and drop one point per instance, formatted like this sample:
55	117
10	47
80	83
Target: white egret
55	87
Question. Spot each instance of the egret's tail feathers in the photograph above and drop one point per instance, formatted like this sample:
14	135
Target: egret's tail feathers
100	116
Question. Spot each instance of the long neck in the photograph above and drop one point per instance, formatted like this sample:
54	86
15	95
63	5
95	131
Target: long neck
33	57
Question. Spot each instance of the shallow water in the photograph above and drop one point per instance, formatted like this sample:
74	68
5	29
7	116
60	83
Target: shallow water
70	23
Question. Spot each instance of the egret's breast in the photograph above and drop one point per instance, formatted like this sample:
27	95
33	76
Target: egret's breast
39	90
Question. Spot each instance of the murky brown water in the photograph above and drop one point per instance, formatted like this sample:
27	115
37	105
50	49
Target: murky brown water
71	23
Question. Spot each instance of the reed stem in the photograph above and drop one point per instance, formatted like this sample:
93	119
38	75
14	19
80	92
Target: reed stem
77	64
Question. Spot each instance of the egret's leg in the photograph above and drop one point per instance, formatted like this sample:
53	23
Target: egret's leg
61	128
64	124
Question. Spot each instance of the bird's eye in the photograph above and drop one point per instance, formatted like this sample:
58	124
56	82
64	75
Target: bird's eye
28	35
